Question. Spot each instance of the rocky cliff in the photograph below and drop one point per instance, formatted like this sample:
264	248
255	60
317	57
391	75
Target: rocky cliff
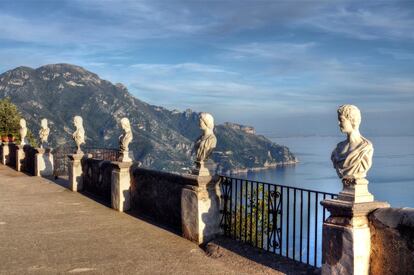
162	138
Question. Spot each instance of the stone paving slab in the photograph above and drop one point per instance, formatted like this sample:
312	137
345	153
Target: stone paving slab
47	229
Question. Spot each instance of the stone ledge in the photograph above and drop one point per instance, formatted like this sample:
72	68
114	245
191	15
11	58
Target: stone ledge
394	217
181	179
340	208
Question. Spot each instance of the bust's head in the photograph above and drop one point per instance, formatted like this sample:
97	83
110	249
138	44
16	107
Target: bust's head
77	121
349	117
206	121
22	123
43	123
125	123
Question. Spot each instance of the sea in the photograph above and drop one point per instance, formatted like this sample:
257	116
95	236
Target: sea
391	177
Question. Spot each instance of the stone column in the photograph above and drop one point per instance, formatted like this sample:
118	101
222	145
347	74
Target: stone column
20	158
5	151
346	240
43	162
120	186
200	209
75	172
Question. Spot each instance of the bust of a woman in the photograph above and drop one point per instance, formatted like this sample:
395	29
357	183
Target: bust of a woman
44	132
125	139
207	141
23	131
79	134
352	158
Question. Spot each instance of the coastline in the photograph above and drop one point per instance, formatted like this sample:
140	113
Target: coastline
261	168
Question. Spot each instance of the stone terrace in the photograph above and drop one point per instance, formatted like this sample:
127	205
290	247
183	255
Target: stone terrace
47	229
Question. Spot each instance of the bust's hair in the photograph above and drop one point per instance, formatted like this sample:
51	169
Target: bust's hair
44	120
78	119
125	121
22	121
352	113
208	120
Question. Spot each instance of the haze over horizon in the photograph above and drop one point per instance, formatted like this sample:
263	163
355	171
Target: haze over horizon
281	66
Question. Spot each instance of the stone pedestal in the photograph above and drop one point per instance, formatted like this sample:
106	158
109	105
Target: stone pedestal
75	172
20	158
355	190
200	209
125	156
346	241
204	168
43	162
120	186
5	153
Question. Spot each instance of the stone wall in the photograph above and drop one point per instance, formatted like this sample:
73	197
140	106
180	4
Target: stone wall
12	155
392	241
29	160
97	177
158	195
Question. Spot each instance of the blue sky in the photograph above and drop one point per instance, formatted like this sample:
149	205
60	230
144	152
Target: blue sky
282	66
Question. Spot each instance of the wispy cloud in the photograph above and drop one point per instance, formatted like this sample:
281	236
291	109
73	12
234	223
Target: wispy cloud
399	54
248	58
369	21
187	67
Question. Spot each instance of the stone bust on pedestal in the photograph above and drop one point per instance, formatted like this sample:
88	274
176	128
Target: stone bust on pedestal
346	237
124	140
44	132
352	158
79	134
23	131
205	144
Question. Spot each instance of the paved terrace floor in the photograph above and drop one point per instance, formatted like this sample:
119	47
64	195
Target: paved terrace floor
47	229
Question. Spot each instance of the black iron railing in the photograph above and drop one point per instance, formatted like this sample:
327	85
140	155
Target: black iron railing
61	160
281	219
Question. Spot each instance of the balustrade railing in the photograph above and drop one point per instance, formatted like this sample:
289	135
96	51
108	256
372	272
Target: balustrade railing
281	219
61	161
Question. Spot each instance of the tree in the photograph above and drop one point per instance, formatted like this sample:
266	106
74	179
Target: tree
10	121
9	118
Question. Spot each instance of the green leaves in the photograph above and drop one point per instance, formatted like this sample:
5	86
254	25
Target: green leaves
9	118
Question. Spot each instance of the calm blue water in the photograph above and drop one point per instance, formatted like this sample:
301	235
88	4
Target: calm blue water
391	176
391	179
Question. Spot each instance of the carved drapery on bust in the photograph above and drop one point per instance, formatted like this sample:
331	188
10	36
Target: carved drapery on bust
79	134
355	163
125	139
43	132
23	131
205	144
352	158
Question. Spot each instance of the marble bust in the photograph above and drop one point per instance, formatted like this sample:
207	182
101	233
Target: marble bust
44	132
79	134
352	158
23	131
205	144
125	139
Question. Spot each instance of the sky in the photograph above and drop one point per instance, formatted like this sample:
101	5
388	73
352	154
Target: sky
283	67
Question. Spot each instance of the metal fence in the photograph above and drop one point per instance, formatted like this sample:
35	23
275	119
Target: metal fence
281	219
61	160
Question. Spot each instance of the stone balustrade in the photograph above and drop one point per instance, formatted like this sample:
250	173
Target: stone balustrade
24	158
189	204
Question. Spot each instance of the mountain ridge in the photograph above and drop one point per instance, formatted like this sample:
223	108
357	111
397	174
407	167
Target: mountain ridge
162	138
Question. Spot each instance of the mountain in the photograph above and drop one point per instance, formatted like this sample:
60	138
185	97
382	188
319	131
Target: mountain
162	138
